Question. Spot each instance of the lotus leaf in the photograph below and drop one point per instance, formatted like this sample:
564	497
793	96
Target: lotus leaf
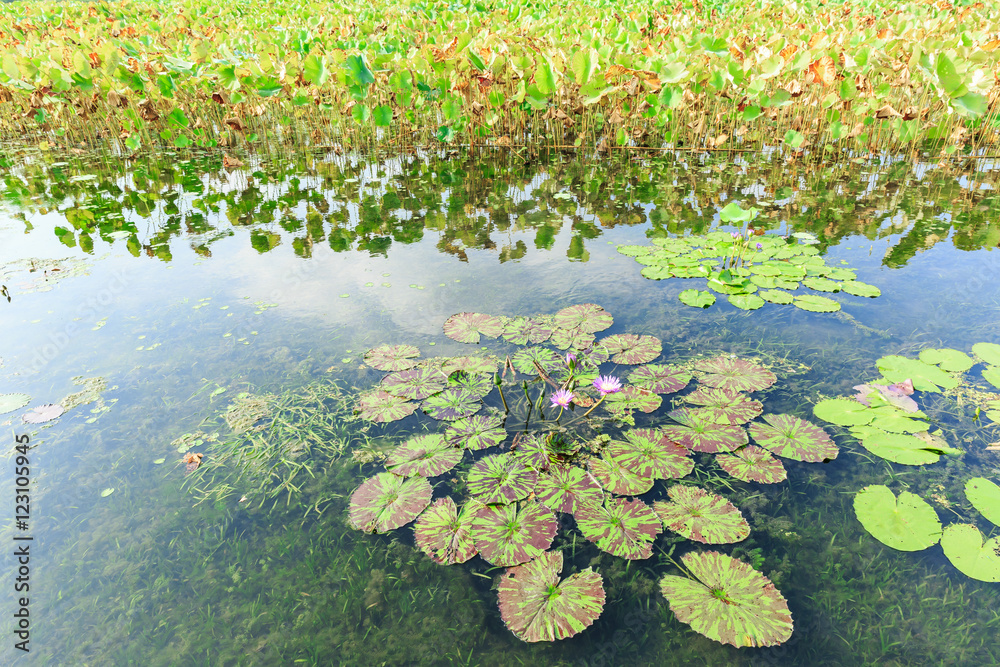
380	406
416	383
477	385
992	375
776	296
388	501
899	448
42	414
616	478
907	523
702	516
425	455
963	545
947	359
821	284
587	317
452	403
476	432
696	298
924	376
729	601
794	438
735	374
468	327
444	534
473	364
631	349
11	402
743	286
659	379
501	478
988	352
571	338
632	398
753	464
392	357
634	250
727	405
985	497
699	433
523	330
860	289
815	303
537	606
647	452
513	534
524	361
746	301
564	488
623	528
843	412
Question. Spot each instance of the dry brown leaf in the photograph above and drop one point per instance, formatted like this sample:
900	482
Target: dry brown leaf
885	33
235	123
228	161
815	39
788	51
887	112
823	71
991	45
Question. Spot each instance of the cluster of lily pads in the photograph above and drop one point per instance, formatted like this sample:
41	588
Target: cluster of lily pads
749	269
36	415
505	508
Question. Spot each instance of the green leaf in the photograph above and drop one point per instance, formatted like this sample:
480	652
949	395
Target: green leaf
733	213
907	523
382	116
583	64
794	139
970	104
361	113
924	376
701	516
388	501
844	412
947	359
963	545
697	298
985	497
746	301
947	74
544	77
988	352
815	303
314	69
359	70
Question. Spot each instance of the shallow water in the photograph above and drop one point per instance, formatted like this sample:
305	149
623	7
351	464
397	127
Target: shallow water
195	283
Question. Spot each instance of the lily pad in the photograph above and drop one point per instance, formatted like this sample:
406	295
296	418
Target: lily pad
107	492
476	432
571	338
564	488
963	545
699	433
616	478
425	455
947	359
728	601
906	523
523	330
534	450
623	528
697	298
388	501
380	406
815	303
631	349
477	385
42	413
659	379
843	412
726	405
647	452
452	403
777	296
702	516
735	374
985	497
513	534
632	398
550	360
444	534
746	301
468	327
753	464
501	478
992	375
415	383
470	364
821	284
392	357
858	288
587	317
897	395
537	606
900	448
988	352
794	438
924	376
11	402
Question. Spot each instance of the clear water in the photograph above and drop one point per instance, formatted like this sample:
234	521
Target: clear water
197	284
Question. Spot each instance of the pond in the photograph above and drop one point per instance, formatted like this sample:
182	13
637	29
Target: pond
207	329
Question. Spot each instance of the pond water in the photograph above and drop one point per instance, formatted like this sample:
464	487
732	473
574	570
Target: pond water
183	307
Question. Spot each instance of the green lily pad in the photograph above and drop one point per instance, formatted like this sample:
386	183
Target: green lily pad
794	438
907	523
468	327
746	301
924	376
963	545
728	601
631	349
616	478
815	303
524	330
988	352
947	359
444	534
425	455
107	492
843	412
699	433
571	338
564	488
735	374
985	497
392	357
821	284
753	464
534	450
550	360
513	534
415	383
476	432
477	385
380	406
623	528
727	405
537	606
388	501
647	452
888	418
452	403
501	478
696	298
588	317
702	516
776	296
992	375
659	379
473	365
900	448
632	398
11	402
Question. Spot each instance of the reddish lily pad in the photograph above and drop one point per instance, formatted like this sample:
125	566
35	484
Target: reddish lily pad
571	338
470	364
623	528
537	606
659	379
632	398
632	349
564	488
648	452
42	413
533	449
524	361
468	327
616	478
452	403
523	330
444	534
702	516
513	534
699	433
794	438
478	385
425	455
501	478
753	464
388	501
476	432
728	601
735	374
392	357
726	405
415	383
587	317
380	406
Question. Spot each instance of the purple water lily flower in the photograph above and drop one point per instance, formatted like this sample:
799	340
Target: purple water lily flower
607	384
735	235
562	398
760	246
570	358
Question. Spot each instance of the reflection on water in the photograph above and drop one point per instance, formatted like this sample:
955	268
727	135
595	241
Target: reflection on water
164	572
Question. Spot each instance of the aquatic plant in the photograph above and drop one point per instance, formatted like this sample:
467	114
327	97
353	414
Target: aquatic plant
701	516
42	413
388	501
11	402
753	464
906	523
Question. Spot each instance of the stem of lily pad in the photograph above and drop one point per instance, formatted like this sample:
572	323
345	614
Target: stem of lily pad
601	400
